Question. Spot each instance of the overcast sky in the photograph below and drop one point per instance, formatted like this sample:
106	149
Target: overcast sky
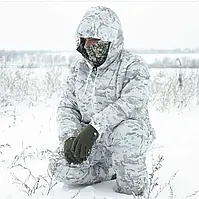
52	25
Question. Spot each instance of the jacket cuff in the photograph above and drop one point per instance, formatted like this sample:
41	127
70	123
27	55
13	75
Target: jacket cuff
94	130
101	129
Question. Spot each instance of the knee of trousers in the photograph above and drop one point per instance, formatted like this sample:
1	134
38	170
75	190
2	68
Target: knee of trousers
68	174
83	174
131	137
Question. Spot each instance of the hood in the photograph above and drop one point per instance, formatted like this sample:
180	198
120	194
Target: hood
102	23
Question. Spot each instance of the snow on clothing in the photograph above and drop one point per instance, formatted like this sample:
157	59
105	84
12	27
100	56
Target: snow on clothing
112	98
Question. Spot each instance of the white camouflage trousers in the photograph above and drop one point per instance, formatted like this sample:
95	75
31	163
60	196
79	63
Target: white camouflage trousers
121	152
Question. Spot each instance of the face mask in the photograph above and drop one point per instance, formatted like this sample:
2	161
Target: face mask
97	53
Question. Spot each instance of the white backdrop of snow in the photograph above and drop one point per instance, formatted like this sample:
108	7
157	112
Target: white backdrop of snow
36	126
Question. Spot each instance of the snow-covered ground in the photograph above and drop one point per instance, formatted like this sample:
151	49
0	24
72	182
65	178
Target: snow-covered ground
30	131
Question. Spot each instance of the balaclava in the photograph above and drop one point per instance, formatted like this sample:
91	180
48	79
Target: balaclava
96	53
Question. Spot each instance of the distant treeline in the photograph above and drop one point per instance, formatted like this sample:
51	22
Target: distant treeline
136	50
165	51
173	66
36	59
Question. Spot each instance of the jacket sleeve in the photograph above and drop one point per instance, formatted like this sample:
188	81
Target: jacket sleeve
134	97
68	114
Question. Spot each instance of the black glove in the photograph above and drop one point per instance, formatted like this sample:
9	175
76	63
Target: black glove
68	153
82	145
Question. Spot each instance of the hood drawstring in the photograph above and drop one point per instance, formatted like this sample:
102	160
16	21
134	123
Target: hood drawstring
87	81
94	84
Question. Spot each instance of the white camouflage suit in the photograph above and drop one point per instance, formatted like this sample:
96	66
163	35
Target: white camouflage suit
114	100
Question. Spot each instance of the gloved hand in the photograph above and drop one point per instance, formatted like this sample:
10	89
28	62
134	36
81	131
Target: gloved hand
68	153
82	145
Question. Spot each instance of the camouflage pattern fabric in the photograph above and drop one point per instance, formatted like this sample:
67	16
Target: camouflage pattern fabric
98	52
114	99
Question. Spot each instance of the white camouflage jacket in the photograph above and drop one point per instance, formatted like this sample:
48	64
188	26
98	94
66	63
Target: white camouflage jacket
117	91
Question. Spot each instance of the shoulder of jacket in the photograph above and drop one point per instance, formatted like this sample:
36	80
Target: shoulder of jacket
130	59
134	64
